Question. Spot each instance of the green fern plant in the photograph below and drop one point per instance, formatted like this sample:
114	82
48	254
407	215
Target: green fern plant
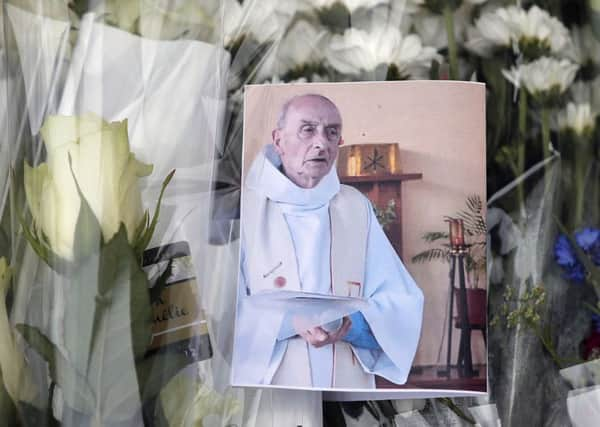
475	233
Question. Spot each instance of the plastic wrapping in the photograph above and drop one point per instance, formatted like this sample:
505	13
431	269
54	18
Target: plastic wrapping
78	320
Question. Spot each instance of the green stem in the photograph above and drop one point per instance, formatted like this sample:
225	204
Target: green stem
580	169
521	145
452	49
546	143
547	343
546	132
454	408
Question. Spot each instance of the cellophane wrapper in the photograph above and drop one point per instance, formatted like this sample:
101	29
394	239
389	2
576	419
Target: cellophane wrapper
120	168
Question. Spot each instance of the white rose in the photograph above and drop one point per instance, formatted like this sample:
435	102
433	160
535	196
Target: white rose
106	171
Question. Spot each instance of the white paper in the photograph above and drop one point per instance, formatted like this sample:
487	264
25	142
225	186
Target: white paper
118	76
308	309
583	374
583	406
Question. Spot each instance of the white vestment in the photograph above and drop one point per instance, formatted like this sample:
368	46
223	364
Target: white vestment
395	303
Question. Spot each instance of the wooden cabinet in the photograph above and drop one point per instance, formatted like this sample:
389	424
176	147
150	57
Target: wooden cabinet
380	189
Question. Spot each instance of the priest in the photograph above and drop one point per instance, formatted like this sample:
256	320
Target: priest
304	231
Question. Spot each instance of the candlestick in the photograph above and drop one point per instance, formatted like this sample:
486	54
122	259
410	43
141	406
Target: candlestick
460	233
451	231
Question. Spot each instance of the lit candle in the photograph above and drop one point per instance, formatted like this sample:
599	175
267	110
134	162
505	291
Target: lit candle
451	231
352	165
460	233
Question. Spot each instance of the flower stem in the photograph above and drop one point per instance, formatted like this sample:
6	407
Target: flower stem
548	346
456	409
546	142
452	49
521	146
580	171
546	132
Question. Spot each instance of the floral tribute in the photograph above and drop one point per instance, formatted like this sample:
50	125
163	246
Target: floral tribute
76	198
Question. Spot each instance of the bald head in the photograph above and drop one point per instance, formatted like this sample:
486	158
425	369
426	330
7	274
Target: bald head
298	99
307	137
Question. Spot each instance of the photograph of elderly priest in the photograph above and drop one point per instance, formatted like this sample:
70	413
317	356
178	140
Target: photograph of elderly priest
304	231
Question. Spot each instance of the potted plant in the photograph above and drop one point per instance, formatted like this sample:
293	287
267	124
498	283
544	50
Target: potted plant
475	265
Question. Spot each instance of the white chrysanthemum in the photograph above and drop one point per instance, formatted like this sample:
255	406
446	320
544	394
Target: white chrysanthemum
543	76
532	29
585	47
537	24
358	51
578	118
587	92
301	46
440	2
495	27
351	5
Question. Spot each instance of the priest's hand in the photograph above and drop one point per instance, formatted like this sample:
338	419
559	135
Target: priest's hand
319	337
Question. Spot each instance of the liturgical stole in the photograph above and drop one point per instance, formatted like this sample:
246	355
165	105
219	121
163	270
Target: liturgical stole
271	264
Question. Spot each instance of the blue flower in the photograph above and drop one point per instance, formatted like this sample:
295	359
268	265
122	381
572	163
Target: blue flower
563	252
588	239
566	258
576	273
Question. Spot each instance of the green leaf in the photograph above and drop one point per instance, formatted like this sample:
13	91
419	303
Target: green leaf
473	217
81	285
147	236
141	228
592	308
4	244
121	332
456	409
79	6
432	236
33	241
161	283
431	255
76	391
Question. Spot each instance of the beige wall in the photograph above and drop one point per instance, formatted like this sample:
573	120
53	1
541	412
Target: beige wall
440	129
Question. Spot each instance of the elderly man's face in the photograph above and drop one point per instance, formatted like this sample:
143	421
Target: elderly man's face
308	141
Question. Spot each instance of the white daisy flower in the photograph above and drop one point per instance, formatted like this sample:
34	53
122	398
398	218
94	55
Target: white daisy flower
578	118
358	51
437	6
543	77
351	5
584	47
301	46
532	32
587	92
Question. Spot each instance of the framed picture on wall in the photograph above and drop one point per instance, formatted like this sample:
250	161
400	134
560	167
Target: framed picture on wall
338	290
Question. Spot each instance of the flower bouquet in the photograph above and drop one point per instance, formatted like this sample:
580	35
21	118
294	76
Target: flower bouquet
90	230
175	71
